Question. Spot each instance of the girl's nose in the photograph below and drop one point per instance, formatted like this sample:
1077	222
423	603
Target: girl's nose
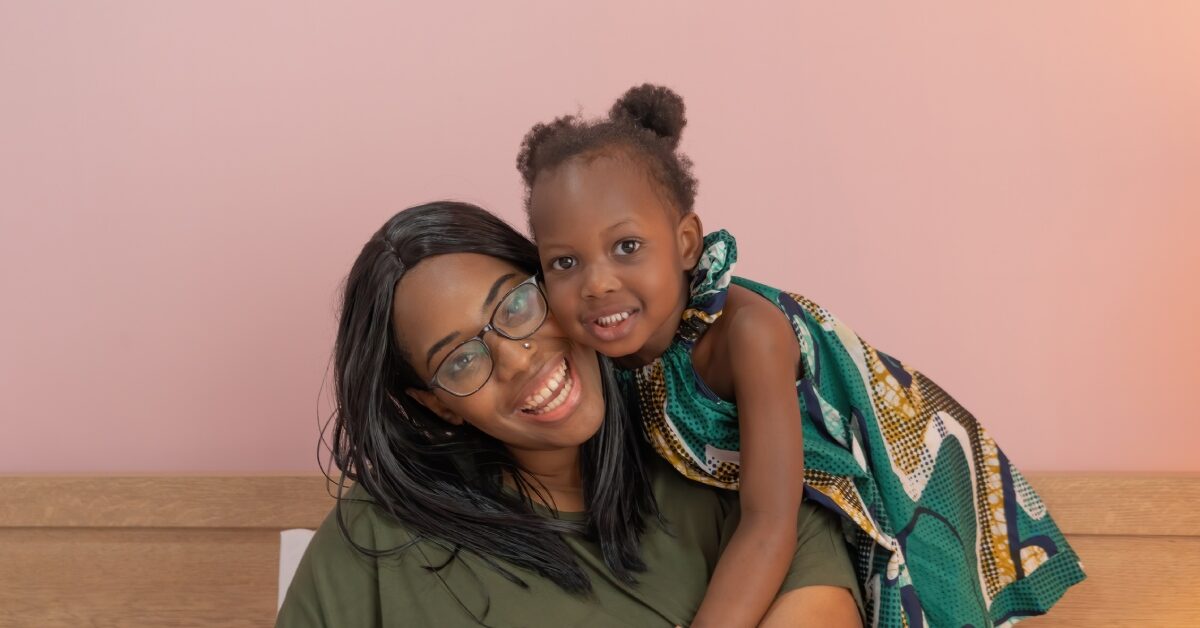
600	280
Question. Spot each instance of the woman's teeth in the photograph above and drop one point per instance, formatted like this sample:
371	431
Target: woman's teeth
553	393
609	321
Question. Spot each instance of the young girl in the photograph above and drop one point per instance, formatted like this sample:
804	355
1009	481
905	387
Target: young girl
747	387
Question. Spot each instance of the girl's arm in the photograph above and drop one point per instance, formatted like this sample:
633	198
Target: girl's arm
763	355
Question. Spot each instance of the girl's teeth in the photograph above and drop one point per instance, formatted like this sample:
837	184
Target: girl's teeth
612	319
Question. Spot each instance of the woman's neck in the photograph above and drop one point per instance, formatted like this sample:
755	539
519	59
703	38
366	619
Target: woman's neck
555	472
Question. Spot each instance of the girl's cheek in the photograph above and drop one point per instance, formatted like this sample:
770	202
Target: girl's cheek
559	297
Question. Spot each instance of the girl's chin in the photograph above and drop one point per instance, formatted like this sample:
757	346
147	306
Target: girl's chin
625	354
612	348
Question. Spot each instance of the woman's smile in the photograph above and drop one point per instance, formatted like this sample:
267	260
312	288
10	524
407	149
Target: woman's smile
554	392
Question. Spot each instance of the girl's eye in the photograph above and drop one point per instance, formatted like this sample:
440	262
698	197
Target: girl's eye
563	263
627	247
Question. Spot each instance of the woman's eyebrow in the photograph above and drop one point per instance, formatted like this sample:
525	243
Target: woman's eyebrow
495	289
437	346
491	296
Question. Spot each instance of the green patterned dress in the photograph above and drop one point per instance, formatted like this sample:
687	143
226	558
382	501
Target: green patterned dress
944	530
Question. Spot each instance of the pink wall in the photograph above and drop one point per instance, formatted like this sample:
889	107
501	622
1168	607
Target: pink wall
1004	195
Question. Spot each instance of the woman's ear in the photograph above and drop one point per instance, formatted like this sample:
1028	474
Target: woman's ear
690	235
435	405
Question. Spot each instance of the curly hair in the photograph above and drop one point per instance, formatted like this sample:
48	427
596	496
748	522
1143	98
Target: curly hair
647	121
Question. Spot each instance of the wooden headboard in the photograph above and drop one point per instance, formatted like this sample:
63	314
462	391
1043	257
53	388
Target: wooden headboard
167	551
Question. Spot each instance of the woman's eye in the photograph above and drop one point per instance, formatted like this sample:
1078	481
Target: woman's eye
627	247
463	362
515	306
563	263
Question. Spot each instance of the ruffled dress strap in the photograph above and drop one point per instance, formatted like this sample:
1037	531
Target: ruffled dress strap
709	287
685	423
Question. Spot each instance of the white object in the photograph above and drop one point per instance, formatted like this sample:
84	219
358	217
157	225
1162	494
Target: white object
292	544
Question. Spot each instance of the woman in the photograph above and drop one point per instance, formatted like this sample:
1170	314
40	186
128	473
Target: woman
497	479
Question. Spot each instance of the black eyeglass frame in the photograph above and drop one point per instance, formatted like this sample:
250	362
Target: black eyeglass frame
491	326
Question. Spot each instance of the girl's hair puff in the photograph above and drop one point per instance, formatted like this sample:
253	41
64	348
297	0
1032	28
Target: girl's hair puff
647	121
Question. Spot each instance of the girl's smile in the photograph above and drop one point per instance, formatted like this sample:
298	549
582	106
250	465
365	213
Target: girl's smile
611	324
615	254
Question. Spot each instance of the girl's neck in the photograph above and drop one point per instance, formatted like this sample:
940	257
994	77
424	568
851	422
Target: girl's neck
662	337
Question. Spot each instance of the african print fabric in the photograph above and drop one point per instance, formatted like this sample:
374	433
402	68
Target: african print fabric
944	530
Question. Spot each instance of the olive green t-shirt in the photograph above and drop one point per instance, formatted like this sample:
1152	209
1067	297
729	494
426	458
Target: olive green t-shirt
335	586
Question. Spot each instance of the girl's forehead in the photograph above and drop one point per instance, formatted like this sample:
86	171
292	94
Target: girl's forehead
608	169
603	189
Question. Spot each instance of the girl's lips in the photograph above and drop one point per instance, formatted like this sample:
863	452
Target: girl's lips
617	331
568	406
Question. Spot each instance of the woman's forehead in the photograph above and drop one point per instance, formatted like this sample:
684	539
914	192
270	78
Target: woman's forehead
447	293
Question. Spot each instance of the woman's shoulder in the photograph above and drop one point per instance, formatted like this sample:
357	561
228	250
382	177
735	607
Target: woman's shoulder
356	520
336	582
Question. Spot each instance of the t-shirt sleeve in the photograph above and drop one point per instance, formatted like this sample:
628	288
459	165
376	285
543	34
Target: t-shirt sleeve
335	585
822	557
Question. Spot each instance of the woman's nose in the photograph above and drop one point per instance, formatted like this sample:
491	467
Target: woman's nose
511	357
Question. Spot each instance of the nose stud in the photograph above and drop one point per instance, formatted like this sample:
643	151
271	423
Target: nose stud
525	345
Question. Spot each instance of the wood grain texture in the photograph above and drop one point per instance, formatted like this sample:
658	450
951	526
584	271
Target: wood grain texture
1082	503
181	551
1143	582
278	502
1140	504
137	577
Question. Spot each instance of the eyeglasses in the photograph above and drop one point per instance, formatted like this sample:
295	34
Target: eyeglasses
469	365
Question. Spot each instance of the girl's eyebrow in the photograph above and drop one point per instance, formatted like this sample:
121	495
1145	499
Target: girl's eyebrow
627	221
551	246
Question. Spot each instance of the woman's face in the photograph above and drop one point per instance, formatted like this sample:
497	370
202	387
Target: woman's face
446	300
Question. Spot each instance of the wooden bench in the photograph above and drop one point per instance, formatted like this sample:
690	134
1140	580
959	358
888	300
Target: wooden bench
166	551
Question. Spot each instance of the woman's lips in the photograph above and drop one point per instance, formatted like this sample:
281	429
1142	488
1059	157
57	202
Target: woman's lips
556	397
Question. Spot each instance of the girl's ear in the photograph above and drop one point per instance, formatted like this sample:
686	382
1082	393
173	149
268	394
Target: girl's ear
435	405
690	236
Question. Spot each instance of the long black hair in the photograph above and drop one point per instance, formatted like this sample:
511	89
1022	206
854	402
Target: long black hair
444	482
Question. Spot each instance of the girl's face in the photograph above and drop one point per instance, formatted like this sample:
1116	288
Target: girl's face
541	398
615	254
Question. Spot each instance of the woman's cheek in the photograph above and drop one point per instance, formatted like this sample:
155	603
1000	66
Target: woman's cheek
475	409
